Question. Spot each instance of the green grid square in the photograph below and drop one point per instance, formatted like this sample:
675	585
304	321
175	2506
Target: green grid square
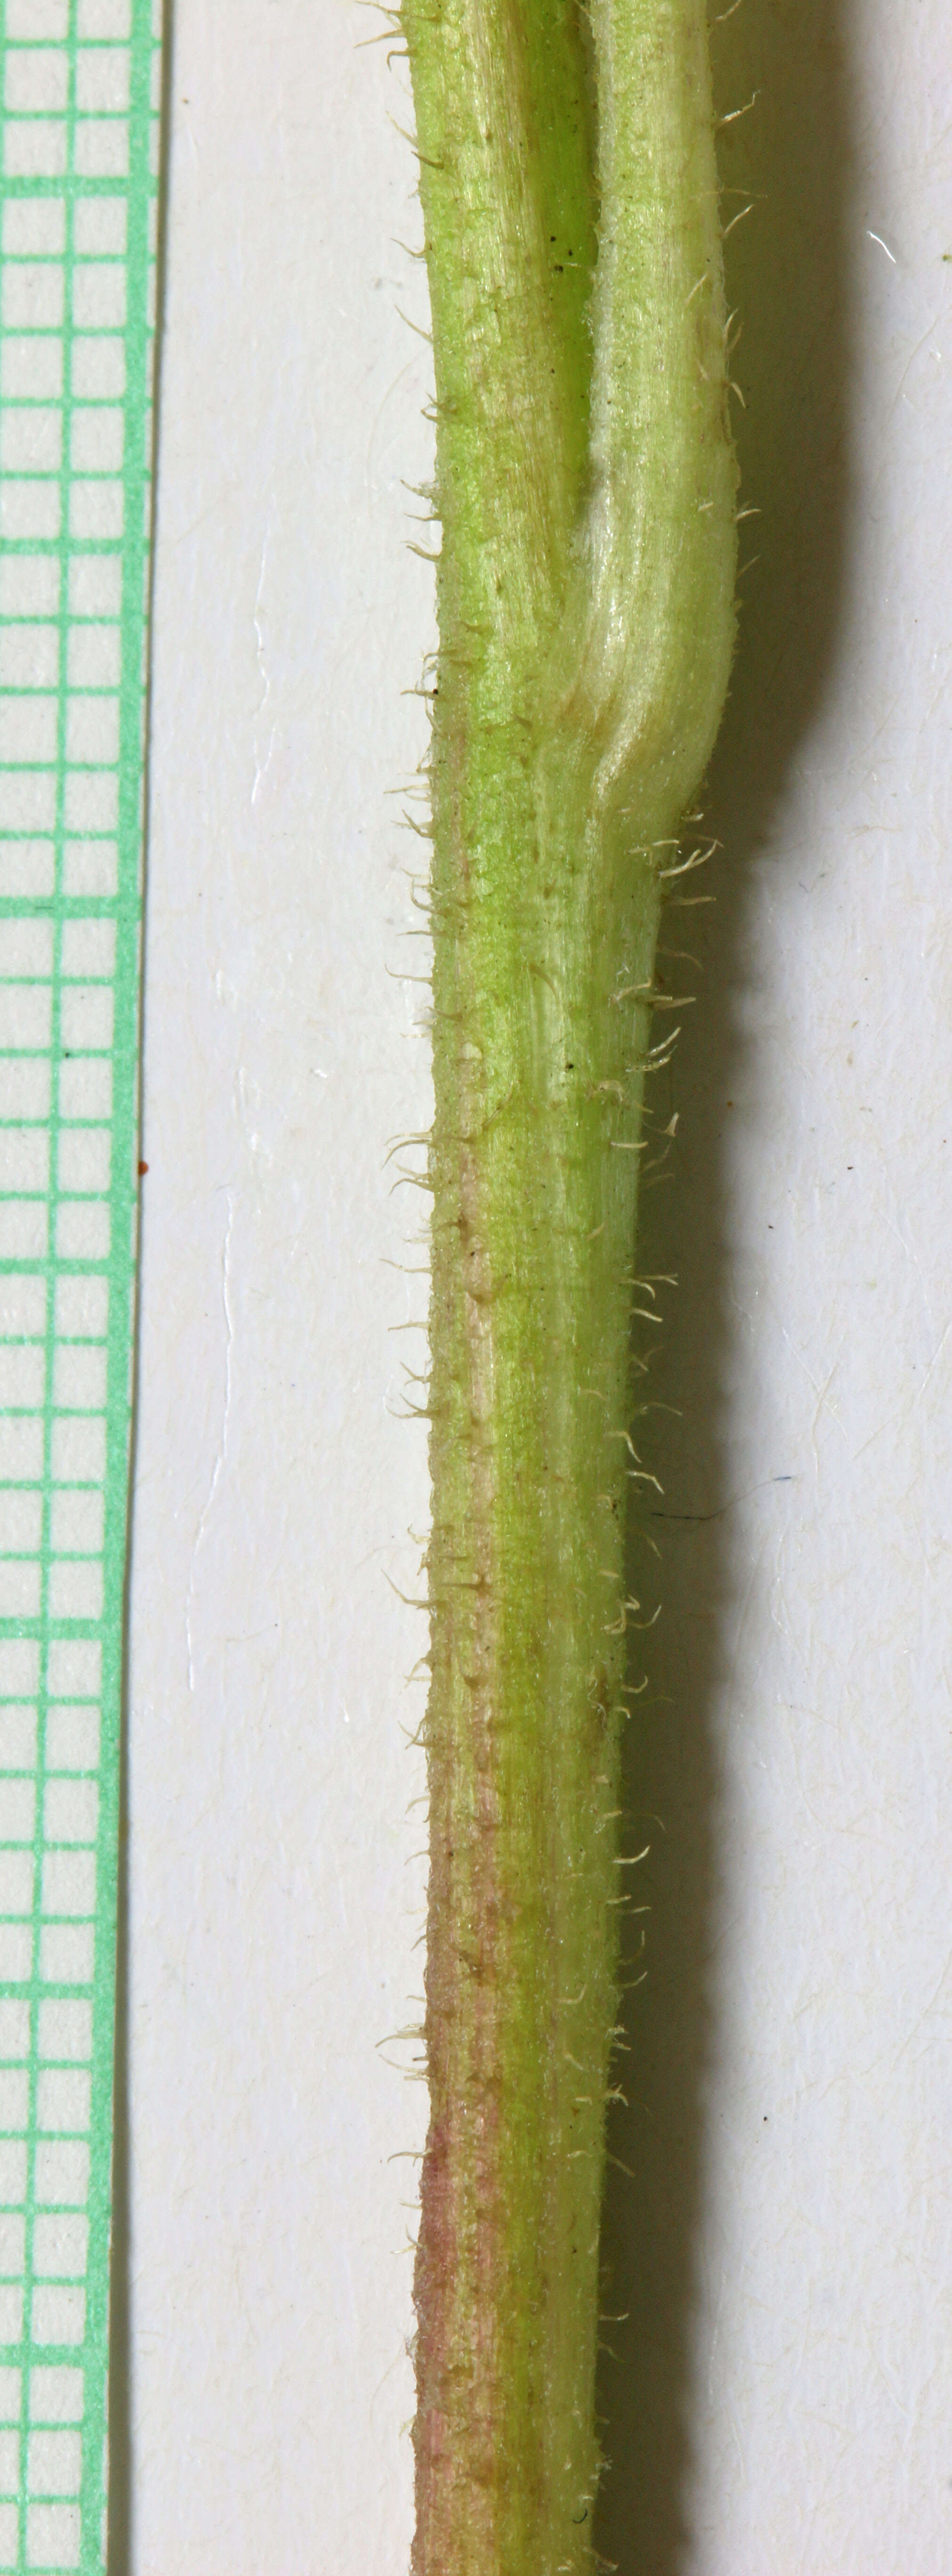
80	83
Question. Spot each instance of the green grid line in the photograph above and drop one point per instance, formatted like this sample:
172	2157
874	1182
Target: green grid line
79	93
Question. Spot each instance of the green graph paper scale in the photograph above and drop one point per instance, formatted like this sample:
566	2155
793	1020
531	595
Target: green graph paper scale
79	101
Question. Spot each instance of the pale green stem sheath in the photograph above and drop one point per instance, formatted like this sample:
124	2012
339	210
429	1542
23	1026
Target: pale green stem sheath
586	487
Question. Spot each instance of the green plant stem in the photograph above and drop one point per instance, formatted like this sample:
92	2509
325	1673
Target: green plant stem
585	484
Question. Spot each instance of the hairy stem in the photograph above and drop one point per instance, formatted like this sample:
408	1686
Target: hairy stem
585	483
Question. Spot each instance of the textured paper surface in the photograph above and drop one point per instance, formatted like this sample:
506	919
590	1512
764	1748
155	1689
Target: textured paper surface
782	2401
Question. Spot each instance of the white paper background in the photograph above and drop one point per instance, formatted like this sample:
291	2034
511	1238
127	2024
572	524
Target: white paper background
782	2399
